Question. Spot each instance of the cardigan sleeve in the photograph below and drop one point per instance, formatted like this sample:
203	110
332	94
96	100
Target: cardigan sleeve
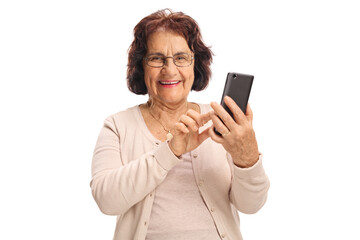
116	186
249	187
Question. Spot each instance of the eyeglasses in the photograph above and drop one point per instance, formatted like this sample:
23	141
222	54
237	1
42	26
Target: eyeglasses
179	59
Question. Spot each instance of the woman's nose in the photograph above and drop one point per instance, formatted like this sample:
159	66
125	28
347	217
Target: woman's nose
169	66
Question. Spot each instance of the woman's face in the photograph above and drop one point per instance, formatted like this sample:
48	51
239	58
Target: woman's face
169	84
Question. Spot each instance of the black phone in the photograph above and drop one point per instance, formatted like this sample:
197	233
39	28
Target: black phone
238	87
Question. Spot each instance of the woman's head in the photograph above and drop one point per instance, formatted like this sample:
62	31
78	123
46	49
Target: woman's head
177	23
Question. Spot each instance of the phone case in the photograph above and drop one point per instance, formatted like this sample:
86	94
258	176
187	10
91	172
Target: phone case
238	87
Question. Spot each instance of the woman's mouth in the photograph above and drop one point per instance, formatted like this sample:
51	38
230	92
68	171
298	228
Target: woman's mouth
169	83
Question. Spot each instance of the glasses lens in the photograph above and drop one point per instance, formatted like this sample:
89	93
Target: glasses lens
155	60
182	59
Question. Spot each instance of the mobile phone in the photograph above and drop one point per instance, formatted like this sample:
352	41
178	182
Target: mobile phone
238	87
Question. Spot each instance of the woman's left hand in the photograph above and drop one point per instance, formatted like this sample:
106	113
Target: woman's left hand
238	136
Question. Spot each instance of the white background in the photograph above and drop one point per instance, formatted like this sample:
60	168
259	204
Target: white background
63	69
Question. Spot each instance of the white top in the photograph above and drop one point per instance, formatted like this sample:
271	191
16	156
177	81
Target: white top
179	211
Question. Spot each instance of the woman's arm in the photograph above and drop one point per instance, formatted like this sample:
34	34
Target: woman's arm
250	184
249	187
116	186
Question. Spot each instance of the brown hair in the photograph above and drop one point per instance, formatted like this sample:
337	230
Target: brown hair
179	23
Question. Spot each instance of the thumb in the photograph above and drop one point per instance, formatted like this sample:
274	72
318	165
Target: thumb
204	135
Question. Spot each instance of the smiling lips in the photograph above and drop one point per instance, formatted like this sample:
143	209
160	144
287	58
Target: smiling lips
170	83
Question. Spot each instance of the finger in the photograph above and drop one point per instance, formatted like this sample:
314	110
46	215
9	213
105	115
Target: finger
189	122
223	115
207	117
219	125
196	117
249	113
201	119
181	127
238	114
216	138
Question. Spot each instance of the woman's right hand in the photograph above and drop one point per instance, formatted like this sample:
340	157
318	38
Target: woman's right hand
186	135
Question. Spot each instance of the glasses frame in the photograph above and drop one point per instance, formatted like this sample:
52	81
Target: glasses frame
146	59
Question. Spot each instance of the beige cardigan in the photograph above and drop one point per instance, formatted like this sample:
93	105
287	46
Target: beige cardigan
129	163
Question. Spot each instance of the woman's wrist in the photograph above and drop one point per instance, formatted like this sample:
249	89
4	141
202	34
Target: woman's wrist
173	151
246	163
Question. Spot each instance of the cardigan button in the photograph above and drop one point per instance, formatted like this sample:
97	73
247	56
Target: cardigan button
201	182
195	155
223	235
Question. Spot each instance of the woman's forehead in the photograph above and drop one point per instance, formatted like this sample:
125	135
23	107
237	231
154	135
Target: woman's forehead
166	41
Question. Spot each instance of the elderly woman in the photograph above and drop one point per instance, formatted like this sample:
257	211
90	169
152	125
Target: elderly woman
159	166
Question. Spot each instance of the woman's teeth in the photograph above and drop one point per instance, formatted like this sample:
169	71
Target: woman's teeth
169	83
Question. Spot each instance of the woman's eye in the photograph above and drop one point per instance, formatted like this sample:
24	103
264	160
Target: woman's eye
179	58
155	59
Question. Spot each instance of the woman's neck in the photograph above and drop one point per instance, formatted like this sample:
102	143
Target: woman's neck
167	112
